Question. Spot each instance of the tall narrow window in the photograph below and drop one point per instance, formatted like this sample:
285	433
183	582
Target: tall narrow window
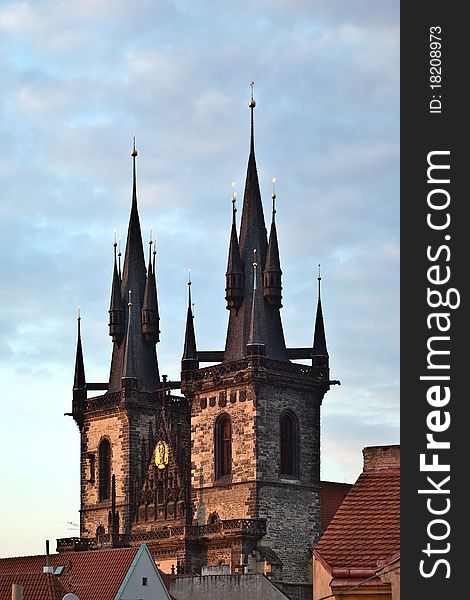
104	457
289	444
223	446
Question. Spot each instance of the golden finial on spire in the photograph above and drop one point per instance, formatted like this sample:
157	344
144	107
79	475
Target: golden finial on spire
233	201
252	102
134	151
79	318
273	195
319	273
189	276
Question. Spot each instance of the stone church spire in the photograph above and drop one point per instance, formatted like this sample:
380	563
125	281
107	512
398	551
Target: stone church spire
189	360
149	315
79	381
319	353
253	235
117	315
272	269
79	393
135	278
234	277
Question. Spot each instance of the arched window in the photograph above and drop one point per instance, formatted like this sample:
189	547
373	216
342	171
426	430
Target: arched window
223	446
100	531
104	457
289	444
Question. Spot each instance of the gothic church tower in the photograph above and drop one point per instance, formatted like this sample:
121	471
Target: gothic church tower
135	437
255	441
227	475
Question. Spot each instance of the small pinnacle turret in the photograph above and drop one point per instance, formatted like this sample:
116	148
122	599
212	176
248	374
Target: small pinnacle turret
79	393
319	353
272	274
189	360
234	277
150	318
117	315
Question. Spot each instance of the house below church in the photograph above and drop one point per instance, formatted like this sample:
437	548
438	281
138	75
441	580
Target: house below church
358	556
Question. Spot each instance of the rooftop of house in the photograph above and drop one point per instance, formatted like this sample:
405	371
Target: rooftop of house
332	495
365	530
36	586
90	574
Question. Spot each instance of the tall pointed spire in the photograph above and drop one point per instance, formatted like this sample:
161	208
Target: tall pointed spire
133	274
117	316
79	393
253	235
134	277
234	277
189	361
149	315
272	269
252	226
79	381
319	352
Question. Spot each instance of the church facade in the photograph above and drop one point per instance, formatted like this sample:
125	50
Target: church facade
223	476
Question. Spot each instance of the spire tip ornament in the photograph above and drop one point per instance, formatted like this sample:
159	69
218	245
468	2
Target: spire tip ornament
134	151
252	102
273	195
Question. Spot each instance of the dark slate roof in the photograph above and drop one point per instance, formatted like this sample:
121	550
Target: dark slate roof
234	262
273	262
134	279
253	236
319	337
79	376
189	349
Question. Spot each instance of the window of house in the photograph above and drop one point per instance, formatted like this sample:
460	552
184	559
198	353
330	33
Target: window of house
223	446
104	457
289	444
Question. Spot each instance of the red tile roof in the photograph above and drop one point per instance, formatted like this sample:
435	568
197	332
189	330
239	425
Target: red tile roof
91	575
366	527
332	495
36	586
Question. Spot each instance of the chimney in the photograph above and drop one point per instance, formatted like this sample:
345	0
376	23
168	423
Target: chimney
381	457
16	591
47	568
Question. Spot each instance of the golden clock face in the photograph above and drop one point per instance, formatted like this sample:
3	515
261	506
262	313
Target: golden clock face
162	452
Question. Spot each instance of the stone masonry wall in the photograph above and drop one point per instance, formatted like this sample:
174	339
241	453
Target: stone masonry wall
381	457
289	503
256	487
233	496
124	431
